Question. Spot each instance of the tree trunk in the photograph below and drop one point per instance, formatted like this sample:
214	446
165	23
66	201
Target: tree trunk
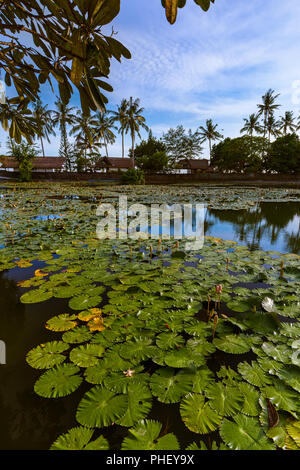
123	143
132	137
43	150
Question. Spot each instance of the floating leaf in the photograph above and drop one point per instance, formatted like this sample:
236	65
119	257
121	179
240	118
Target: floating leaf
79	439
225	400
63	322
145	436
100	407
169	386
58	382
233	344
86	355
245	433
139	404
47	355
197	415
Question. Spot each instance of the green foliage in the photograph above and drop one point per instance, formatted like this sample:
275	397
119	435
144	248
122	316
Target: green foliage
180	145
284	155
245	433
24	153
82	50
79	439
145	436
58	382
133	177
158	162
239	155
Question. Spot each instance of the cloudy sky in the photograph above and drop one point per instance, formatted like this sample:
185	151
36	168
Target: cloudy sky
208	65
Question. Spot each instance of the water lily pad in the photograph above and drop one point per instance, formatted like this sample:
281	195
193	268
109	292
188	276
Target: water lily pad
47	355
245	433
100	407
63	322
197	414
145	436
169	385
233	344
58	382
86	355
79	439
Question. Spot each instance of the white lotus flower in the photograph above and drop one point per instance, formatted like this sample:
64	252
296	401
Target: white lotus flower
268	304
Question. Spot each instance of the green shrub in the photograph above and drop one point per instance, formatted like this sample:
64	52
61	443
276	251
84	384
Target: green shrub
24	153
133	176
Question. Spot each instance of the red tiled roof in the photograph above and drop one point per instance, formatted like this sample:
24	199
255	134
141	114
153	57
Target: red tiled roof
114	162
39	163
193	164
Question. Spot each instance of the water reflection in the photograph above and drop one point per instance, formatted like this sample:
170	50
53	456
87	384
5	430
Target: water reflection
269	226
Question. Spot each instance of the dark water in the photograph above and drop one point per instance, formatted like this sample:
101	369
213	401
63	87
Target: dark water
31	422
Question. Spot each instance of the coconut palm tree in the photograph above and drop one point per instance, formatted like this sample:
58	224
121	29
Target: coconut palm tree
103	129
16	118
268	107
63	117
273	127
135	120
209	133
120	116
84	130
44	123
252	125
287	122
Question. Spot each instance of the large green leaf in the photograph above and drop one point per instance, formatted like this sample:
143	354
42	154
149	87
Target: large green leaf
254	374
244	433
145	436
63	322
197	414
233	344
79	438
169	386
86	355
282	396
58	382
139	404
225	400
100	407
47	355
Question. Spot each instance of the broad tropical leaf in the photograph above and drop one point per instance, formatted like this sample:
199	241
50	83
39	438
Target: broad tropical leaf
58	382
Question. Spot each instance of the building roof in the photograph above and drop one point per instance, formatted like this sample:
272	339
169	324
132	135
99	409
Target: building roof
38	163
114	162
193	164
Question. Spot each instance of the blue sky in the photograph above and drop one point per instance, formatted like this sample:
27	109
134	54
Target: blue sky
208	65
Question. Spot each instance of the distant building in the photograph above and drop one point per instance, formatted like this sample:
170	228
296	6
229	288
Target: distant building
39	164
194	165
114	164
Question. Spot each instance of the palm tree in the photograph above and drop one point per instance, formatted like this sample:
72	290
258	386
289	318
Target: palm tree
268	107
273	127
135	121
121	116
16	118
287	122
209	133
63	117
103	129
84	130
43	119
252	125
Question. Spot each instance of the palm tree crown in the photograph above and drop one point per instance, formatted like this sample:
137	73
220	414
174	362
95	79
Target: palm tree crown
103	129
135	120
268	106
252	125
121	116
209	133
287	122
44	123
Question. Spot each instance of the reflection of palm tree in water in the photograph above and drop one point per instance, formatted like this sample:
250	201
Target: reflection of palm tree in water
269	220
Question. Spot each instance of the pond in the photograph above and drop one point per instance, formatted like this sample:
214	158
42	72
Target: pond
30	421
